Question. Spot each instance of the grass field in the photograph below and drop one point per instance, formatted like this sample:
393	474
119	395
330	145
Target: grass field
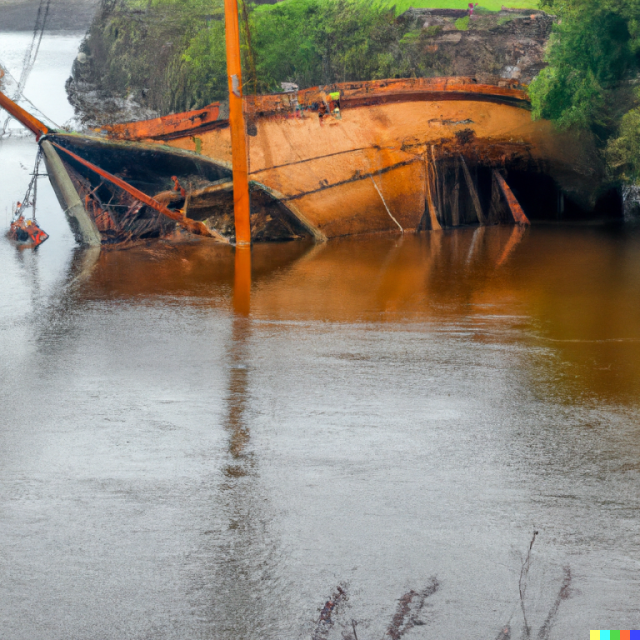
492	5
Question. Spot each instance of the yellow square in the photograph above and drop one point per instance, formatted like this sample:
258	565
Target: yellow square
595	635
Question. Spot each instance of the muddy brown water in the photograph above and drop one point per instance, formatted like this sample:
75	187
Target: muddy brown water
187	454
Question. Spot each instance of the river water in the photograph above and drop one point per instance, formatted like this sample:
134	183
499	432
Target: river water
187	455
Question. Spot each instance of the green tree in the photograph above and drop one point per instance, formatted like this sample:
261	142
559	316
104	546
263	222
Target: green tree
594	56
309	42
623	151
313	42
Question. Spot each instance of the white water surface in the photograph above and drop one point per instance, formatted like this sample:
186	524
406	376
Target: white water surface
45	89
45	86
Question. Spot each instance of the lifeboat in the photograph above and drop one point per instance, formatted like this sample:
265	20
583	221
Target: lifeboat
26	232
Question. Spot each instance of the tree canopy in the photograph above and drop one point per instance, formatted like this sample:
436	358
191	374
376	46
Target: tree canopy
590	83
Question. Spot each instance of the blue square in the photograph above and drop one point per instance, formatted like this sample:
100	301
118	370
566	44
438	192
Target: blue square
635	635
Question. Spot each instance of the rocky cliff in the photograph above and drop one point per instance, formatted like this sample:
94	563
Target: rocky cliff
507	45
131	64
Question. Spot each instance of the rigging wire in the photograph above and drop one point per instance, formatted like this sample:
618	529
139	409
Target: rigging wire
31	53
30	197
6	73
251	57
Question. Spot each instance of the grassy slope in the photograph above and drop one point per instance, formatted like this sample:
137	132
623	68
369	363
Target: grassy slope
402	5
492	5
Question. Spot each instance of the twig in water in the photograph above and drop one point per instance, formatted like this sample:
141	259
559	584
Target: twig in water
563	594
505	634
522	586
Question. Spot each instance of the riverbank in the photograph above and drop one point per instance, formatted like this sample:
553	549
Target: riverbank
170	58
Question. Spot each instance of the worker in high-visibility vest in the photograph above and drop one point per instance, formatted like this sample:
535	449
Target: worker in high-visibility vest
334	97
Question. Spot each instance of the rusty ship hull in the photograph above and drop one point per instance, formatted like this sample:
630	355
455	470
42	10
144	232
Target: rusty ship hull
398	156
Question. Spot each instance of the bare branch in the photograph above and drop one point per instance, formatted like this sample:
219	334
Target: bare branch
563	594
522	585
324	622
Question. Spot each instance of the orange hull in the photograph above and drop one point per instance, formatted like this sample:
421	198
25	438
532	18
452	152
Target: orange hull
175	124
367	171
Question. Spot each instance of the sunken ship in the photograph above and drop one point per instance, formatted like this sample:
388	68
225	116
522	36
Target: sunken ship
396	155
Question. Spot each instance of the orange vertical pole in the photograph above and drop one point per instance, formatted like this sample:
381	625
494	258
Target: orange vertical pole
236	121
242	281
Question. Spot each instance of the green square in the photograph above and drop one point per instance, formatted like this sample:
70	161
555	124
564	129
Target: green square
614	635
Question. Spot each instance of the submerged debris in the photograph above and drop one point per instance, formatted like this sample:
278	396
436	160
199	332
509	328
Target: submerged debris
26	232
324	623
406	617
408	610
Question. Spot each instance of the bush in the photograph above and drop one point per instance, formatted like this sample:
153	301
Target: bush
593	56
623	152
462	24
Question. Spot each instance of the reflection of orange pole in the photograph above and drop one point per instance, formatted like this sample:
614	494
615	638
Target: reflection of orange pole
236	122
242	281
514	239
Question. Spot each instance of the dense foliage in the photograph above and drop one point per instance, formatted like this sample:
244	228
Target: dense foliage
309	42
594	63
623	151
315	42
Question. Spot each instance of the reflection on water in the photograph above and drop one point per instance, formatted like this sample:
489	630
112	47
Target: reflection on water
573	292
219	440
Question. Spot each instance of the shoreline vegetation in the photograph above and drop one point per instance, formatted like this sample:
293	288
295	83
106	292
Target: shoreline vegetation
400	6
592	80
167	56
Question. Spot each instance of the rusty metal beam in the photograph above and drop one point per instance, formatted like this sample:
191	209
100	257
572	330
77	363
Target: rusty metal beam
433	215
474	194
23	117
455	197
166	126
239	156
514	206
